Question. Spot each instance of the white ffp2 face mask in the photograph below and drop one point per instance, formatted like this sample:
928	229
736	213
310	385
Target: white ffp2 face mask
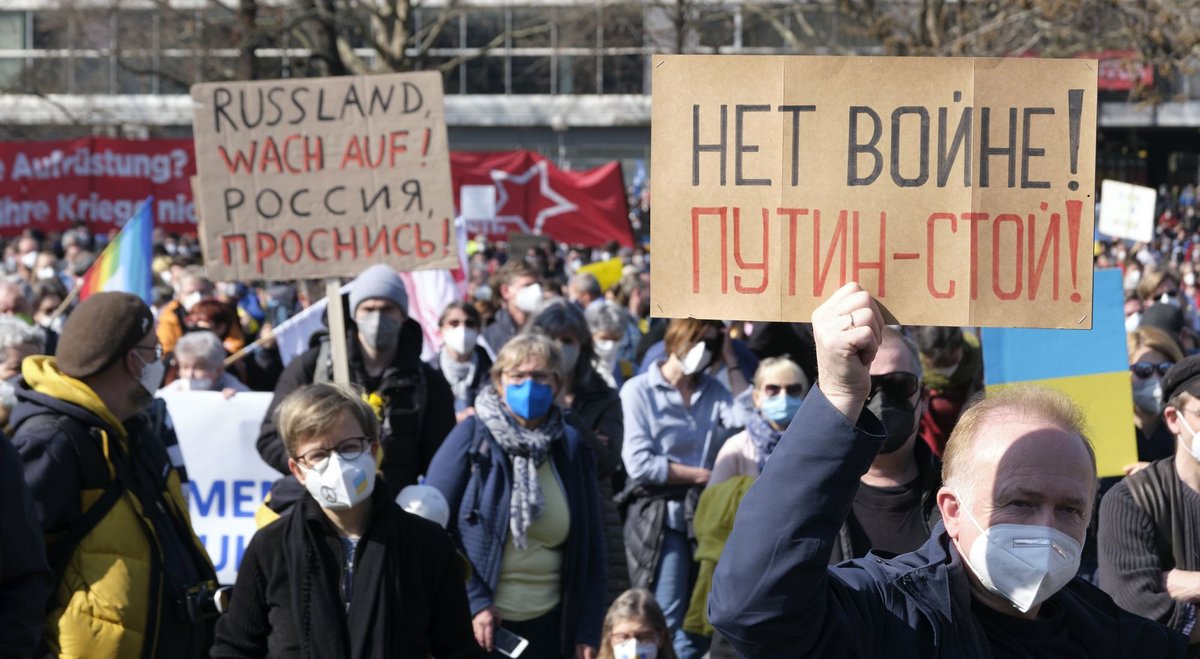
1193	446
529	299
460	339
697	359
1023	564
632	649
152	374
338	484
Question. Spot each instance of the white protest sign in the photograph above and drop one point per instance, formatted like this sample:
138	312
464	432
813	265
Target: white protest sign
1127	211
227	478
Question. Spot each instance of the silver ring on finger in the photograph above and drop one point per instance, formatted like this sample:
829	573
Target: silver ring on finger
851	315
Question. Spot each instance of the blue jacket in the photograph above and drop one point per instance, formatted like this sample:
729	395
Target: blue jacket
475	475
774	596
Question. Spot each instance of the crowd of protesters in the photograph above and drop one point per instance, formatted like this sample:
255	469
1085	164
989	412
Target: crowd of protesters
562	476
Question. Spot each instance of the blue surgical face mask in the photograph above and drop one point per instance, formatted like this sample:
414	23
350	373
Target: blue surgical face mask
529	400
781	408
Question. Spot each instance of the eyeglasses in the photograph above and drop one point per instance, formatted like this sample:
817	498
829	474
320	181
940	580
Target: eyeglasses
642	637
793	390
895	385
470	324
542	377
349	449
1144	370
157	349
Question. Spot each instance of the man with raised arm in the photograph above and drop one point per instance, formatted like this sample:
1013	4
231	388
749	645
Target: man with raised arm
996	578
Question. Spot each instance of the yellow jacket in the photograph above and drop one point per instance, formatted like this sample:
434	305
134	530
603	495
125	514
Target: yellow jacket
112	597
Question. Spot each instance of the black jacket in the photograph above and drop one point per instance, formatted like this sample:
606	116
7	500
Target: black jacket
409	597
418	406
24	574
775	596
483	371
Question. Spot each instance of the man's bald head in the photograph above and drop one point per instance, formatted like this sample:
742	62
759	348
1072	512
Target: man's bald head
1016	403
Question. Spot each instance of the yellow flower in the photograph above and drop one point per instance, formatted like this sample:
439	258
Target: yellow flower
376	402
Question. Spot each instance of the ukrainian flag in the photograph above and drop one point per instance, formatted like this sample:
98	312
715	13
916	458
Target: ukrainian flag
1092	367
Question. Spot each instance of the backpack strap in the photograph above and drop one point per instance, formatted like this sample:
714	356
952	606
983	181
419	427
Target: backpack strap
61	547
323	373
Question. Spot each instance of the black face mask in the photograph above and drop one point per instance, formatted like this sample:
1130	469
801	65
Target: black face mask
899	419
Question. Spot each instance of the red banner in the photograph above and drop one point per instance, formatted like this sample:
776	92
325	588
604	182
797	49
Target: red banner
505	192
52	186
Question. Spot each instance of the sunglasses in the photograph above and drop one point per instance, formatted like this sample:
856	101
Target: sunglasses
895	385
793	390
1144	370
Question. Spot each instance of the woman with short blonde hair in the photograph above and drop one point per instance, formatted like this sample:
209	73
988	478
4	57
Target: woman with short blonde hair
346	573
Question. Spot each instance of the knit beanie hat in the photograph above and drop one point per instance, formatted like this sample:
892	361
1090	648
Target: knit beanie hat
378	281
100	331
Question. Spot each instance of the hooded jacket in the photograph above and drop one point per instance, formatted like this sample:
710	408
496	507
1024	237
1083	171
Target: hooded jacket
123	590
774	595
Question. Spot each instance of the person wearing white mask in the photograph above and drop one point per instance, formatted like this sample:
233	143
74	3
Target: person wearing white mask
413	400
610	324
521	295
995	578
200	366
634	628
461	360
347	573
97	465
674	413
1148	540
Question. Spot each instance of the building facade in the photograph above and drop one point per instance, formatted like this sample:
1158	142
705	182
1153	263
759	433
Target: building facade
568	78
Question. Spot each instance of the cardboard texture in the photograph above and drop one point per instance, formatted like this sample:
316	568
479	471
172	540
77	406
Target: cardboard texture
826	170
322	177
1127	210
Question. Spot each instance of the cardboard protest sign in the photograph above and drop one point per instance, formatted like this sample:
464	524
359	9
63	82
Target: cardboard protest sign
323	177
1091	367
958	191
1127	210
227	480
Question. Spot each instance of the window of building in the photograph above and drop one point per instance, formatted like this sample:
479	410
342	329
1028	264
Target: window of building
93	29
622	26
530	75
91	75
532	27
135	75
624	74
12	30
714	26
51	30
485	27
576	74
485	75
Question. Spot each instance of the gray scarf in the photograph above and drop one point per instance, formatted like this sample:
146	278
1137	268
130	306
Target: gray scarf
458	374
526	448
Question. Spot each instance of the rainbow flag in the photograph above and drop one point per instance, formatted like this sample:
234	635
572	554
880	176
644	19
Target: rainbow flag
124	265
